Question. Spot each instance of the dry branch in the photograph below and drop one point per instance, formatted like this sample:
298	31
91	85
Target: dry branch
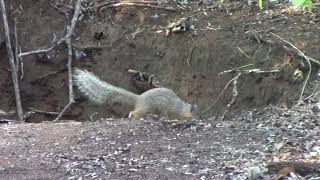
69	65
40	51
234	81
260	38
309	64
8	121
12	62
234	69
294	51
16	45
141	5
43	112
104	4
53	73
220	94
234	96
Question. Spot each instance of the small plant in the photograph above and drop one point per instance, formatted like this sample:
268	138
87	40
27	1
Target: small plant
261	4
307	4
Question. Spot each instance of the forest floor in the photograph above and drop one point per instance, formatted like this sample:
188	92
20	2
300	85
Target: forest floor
262	136
153	148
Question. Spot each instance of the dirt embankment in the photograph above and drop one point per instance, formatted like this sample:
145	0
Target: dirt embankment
189	62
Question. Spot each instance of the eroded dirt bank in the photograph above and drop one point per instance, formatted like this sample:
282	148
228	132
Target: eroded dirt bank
189	63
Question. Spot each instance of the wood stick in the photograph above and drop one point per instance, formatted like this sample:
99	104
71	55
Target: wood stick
235	93
43	112
12	62
69	65
62	40
16	45
234	96
141	5
53	73
235	69
309	64
260	38
221	93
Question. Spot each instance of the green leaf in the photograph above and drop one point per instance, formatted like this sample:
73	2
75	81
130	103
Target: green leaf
298	2
306	4
261	4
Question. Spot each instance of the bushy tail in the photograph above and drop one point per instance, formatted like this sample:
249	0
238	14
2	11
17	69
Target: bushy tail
99	91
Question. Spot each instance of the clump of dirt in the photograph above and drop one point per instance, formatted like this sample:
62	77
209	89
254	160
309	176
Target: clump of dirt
109	41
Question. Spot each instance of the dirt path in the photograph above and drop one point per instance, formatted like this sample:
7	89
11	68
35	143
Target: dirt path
156	148
123	148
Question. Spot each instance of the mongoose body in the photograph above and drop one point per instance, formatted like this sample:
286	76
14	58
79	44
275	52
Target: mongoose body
161	101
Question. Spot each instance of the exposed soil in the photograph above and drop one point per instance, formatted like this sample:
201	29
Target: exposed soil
159	149
112	41
188	62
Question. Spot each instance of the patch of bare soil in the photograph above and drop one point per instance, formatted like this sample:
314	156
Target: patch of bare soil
110	41
160	149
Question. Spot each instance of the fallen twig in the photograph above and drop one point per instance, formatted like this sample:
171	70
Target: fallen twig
9	113
90	48
234	69
242	52
12	62
259	38
16	45
143	81
58	9
141	5
220	94
53	73
234	96
40	51
19	61
235	93
69	65
141	2
190	55
8	120
309	64
43	112
248	71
